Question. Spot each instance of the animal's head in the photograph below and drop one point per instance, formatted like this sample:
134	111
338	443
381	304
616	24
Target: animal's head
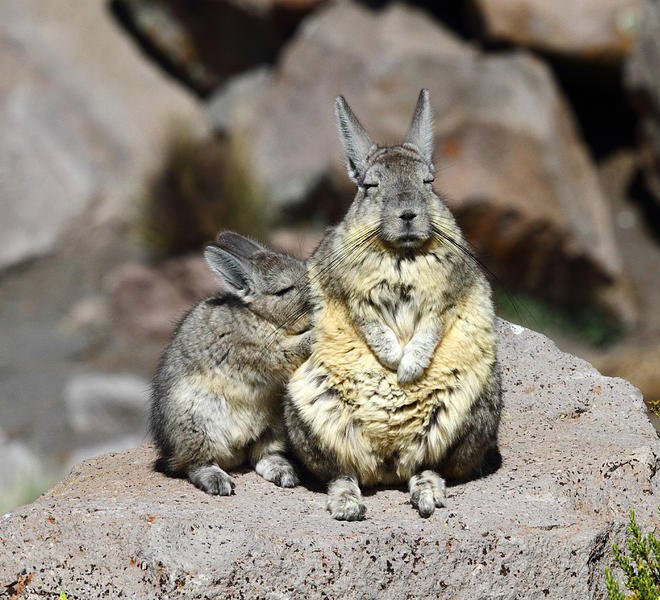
273	285
395	184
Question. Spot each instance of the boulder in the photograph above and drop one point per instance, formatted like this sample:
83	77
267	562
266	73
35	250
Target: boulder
578	452
511	162
147	302
205	42
83	117
642	79
602	30
100	404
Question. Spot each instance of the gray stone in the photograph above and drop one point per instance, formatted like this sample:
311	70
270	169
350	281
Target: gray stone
513	167
642	78
83	118
107	405
233	93
578	452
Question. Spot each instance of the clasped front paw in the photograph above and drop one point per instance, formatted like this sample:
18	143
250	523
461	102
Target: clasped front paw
410	369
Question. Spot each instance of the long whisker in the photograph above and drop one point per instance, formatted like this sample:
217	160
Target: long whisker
467	252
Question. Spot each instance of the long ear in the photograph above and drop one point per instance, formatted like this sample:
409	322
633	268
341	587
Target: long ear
357	143
238	245
232	271
420	133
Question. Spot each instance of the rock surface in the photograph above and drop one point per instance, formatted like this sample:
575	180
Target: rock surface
515	171
578	452
589	29
77	128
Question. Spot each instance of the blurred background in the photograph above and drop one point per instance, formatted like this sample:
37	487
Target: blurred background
133	130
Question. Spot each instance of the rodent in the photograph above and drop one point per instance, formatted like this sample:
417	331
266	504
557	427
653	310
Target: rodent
216	400
403	383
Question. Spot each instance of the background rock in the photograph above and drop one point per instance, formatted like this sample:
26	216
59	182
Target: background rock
78	129
643	83
577	450
101	405
147	302
510	161
207	41
586	30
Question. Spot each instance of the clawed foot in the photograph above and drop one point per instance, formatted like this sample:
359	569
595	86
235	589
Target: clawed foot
278	470
345	500
427	492
213	480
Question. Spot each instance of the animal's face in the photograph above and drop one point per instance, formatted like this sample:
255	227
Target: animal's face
273	285
395	184
281	292
396	192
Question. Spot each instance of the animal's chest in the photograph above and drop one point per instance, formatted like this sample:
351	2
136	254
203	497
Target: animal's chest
399	304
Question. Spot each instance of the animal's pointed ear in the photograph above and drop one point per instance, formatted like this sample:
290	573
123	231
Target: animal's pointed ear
237	244
420	133
233	272
357	142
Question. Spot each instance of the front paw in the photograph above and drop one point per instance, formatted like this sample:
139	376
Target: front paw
390	352
410	369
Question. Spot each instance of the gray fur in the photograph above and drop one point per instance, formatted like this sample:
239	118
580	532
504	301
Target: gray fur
395	222
345	501
216	395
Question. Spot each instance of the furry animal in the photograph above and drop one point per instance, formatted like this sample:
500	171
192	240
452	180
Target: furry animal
402	384
216	398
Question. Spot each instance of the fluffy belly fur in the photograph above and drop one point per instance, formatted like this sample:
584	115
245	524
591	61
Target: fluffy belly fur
372	426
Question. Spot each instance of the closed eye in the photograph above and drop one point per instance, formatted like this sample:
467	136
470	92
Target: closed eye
283	291
429	180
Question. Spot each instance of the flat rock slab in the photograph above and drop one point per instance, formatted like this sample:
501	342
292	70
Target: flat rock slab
578	452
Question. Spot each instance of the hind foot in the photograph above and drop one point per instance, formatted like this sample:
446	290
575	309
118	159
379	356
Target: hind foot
278	470
427	491
345	500
212	479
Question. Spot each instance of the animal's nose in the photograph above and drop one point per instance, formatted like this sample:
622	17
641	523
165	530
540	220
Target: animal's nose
407	215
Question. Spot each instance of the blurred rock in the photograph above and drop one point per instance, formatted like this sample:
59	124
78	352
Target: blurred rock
117	444
639	364
229	97
587	29
643	83
107	405
147	302
206	41
82	115
510	160
296	242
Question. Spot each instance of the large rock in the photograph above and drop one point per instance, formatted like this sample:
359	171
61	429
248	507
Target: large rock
510	160
642	77
588	29
82	115
578	452
147	302
206	41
